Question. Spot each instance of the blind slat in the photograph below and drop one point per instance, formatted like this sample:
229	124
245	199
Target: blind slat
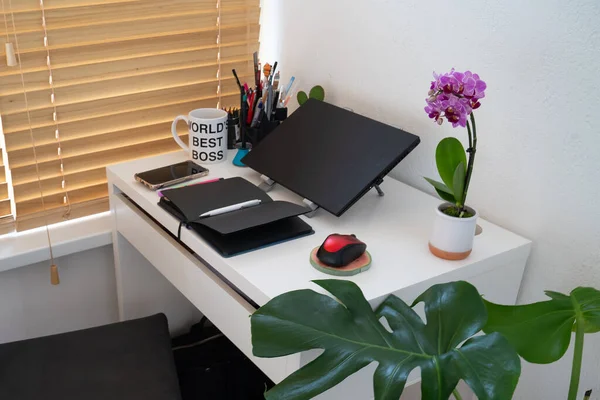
54	216
4	207
7	225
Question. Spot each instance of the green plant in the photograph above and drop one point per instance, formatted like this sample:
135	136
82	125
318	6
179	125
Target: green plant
453	96
451	161
317	92
541	332
352	336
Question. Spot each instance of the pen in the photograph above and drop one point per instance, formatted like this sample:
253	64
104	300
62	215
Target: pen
259	107
288	87
234	207
267	98
275	102
256	69
252	104
289	94
237	80
269	102
272	73
260	86
276	81
243	116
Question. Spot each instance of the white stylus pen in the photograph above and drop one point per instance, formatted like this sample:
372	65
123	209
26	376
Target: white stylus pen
233	207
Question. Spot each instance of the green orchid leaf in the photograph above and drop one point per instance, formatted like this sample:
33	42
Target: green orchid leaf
541	332
446	196
352	337
440	186
442	190
302	97
317	92
459	183
448	155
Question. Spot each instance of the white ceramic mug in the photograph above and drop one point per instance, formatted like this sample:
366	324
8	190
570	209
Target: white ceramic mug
208	135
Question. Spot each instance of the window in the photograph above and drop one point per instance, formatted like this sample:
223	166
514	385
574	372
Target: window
99	82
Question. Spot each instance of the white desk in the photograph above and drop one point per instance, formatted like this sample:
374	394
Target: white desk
395	228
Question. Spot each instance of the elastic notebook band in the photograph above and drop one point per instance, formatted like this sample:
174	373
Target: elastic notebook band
179	229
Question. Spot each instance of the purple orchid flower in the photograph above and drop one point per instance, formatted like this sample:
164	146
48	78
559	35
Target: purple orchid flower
453	96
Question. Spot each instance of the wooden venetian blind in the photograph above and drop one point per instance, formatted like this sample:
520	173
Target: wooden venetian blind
103	79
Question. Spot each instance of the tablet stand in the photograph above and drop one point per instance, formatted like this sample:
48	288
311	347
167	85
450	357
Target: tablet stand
376	186
312	207
266	184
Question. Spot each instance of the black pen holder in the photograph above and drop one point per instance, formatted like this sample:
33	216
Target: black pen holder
233	131
257	134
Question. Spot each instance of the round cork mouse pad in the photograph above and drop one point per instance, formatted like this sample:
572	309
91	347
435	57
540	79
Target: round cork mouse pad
357	266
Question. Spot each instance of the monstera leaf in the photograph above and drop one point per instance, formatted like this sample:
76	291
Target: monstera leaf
352	337
541	332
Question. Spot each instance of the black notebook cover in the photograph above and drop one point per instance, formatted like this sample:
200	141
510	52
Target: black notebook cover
238	231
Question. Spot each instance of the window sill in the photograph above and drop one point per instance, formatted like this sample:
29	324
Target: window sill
25	248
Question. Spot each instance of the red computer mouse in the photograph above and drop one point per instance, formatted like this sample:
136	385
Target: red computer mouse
340	250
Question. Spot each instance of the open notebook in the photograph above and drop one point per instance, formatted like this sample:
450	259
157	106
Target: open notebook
238	231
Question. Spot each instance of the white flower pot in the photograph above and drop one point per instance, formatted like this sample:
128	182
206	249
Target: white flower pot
452	238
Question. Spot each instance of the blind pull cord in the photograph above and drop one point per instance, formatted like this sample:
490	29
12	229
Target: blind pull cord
11	59
54	277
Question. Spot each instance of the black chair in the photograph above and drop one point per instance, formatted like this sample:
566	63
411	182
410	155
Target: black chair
124	361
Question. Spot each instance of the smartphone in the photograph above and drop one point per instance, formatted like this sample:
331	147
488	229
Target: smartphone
171	175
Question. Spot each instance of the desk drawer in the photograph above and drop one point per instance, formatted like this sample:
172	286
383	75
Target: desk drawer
202	287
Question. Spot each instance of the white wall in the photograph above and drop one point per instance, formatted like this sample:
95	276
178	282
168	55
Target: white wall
538	166
30	306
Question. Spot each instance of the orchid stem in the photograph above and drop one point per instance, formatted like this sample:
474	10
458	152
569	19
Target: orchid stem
470	135
473	149
577	358
456	394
